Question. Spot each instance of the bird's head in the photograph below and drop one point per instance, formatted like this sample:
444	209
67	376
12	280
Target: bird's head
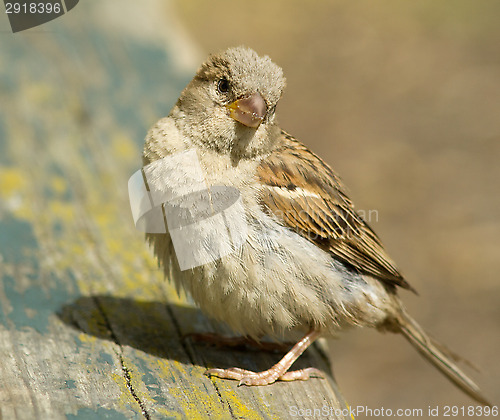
230	104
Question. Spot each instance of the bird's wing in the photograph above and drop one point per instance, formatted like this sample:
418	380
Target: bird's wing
304	194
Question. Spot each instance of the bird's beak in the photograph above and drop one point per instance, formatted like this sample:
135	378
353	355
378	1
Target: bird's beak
249	111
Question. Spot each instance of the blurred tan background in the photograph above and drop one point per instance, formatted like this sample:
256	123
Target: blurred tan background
403	100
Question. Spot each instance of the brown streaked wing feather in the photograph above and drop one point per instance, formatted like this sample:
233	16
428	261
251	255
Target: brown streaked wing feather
305	194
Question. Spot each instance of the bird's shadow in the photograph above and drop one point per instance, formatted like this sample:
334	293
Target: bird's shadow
161	329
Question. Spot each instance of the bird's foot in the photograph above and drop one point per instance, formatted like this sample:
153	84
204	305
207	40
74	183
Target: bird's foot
267	377
278	371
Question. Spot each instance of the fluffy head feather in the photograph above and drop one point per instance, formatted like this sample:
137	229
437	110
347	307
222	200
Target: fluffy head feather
202	112
246	72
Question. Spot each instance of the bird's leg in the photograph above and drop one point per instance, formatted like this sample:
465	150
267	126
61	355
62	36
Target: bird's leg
237	342
278	371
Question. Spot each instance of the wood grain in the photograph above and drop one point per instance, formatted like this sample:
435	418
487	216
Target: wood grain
88	326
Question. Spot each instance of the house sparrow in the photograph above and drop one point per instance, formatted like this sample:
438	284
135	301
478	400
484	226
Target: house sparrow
309	263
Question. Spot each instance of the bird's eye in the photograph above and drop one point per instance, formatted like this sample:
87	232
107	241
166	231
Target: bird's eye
223	85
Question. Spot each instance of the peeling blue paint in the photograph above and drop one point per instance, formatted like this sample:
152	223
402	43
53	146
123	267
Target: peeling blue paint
151	381
105	358
70	384
4	157
17	239
101	413
35	306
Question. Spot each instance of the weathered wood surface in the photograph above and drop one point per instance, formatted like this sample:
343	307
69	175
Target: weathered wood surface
88	326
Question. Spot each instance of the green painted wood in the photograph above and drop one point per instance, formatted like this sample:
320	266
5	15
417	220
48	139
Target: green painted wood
88	326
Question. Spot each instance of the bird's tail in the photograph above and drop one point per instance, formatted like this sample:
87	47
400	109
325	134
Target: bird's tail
441	357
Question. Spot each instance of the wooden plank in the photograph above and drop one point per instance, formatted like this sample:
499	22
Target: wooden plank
88	326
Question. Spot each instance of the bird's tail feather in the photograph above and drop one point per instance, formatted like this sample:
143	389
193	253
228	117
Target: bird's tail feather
441	357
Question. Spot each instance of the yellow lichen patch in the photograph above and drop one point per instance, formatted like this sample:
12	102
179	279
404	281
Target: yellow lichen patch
136	382
14	188
61	211
70	257
126	397
174	297
192	396
58	185
38	93
105	216
239	409
24	212
12	181
124	148
86	338
134	284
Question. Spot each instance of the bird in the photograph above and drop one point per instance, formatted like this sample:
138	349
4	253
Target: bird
310	264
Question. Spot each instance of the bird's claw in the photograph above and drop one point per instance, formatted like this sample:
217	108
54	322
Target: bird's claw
250	378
